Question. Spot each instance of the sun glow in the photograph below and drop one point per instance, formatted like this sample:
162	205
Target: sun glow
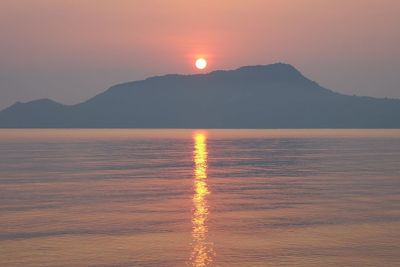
202	250
201	63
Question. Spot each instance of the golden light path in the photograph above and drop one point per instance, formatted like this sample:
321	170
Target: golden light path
202	251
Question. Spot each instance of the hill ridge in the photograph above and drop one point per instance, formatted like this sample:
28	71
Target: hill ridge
260	96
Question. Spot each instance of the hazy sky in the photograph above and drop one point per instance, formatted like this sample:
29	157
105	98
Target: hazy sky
70	50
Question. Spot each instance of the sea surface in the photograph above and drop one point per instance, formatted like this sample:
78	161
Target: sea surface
122	197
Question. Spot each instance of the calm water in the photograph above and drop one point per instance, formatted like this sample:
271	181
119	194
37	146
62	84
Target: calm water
191	198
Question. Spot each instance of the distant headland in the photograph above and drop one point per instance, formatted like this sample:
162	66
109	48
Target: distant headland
263	96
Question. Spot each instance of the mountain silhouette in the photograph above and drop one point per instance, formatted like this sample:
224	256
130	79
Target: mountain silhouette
265	96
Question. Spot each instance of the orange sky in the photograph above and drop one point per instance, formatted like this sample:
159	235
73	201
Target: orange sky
71	50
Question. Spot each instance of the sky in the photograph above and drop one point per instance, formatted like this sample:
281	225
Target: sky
71	50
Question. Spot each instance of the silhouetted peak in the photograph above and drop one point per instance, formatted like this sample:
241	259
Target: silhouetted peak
44	102
278	72
275	66
272	72
281	70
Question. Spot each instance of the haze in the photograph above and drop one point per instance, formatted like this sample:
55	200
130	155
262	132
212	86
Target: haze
71	50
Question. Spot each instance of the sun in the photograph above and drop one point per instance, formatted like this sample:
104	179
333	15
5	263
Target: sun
201	63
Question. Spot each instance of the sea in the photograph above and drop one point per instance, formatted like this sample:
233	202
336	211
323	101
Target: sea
170	197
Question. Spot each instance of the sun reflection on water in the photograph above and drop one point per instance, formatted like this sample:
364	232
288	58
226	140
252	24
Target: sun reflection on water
202	250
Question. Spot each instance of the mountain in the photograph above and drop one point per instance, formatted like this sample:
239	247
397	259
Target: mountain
270	96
